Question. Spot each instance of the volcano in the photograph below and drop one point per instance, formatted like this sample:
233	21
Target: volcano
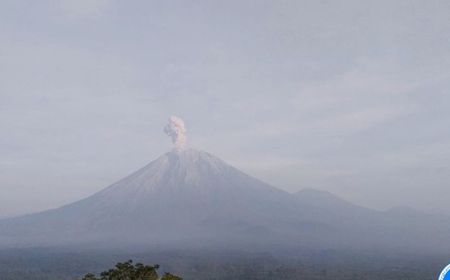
181	196
192	198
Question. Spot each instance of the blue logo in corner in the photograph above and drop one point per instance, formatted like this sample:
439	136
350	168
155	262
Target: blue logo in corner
445	274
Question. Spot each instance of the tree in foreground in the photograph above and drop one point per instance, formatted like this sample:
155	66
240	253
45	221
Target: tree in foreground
128	271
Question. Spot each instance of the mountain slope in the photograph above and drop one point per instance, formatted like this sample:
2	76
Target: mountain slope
395	230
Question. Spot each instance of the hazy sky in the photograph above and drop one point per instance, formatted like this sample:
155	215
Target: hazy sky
346	96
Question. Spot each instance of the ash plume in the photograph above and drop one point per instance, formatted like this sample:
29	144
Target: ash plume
176	130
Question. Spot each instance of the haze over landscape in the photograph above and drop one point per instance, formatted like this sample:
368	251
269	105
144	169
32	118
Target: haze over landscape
348	97
225	139
188	200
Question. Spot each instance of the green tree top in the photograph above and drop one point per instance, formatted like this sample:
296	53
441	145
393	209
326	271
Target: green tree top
128	271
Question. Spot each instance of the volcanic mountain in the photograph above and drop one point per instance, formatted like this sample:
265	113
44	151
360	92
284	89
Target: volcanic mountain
185	194
192	197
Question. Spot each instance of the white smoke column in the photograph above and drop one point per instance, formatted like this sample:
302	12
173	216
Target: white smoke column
175	129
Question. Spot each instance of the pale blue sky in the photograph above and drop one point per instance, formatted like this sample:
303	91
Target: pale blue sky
346	96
